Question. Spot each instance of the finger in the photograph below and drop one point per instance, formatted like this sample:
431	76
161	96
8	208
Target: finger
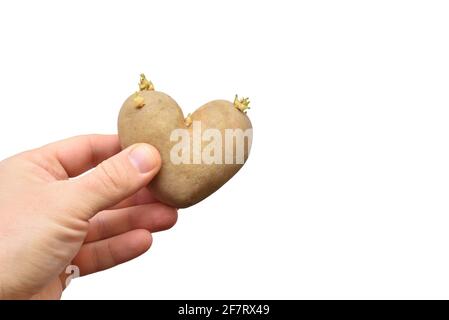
152	217
114	180
143	196
81	153
105	254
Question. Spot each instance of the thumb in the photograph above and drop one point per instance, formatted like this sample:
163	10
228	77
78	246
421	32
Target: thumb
116	178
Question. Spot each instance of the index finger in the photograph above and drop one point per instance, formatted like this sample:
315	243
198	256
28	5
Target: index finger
82	153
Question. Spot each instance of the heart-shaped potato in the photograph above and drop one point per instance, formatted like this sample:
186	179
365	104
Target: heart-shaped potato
199	153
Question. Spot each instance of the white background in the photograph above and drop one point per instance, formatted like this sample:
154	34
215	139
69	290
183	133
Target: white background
345	194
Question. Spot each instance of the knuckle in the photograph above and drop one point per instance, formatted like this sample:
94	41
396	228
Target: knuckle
95	258
100	226
111	253
110	176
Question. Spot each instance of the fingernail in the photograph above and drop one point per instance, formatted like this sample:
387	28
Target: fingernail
143	158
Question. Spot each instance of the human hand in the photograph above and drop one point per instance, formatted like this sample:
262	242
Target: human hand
93	221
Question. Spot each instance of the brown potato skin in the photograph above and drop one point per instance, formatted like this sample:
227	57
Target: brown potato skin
181	185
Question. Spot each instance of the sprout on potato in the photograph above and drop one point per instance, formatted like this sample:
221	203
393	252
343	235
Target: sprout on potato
241	104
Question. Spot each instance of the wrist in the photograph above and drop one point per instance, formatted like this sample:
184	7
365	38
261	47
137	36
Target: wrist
2	291
5	291
6	294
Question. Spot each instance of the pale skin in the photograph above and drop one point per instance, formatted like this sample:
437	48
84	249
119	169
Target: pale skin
52	215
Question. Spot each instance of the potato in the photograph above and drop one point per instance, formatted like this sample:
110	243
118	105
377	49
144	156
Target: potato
199	153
